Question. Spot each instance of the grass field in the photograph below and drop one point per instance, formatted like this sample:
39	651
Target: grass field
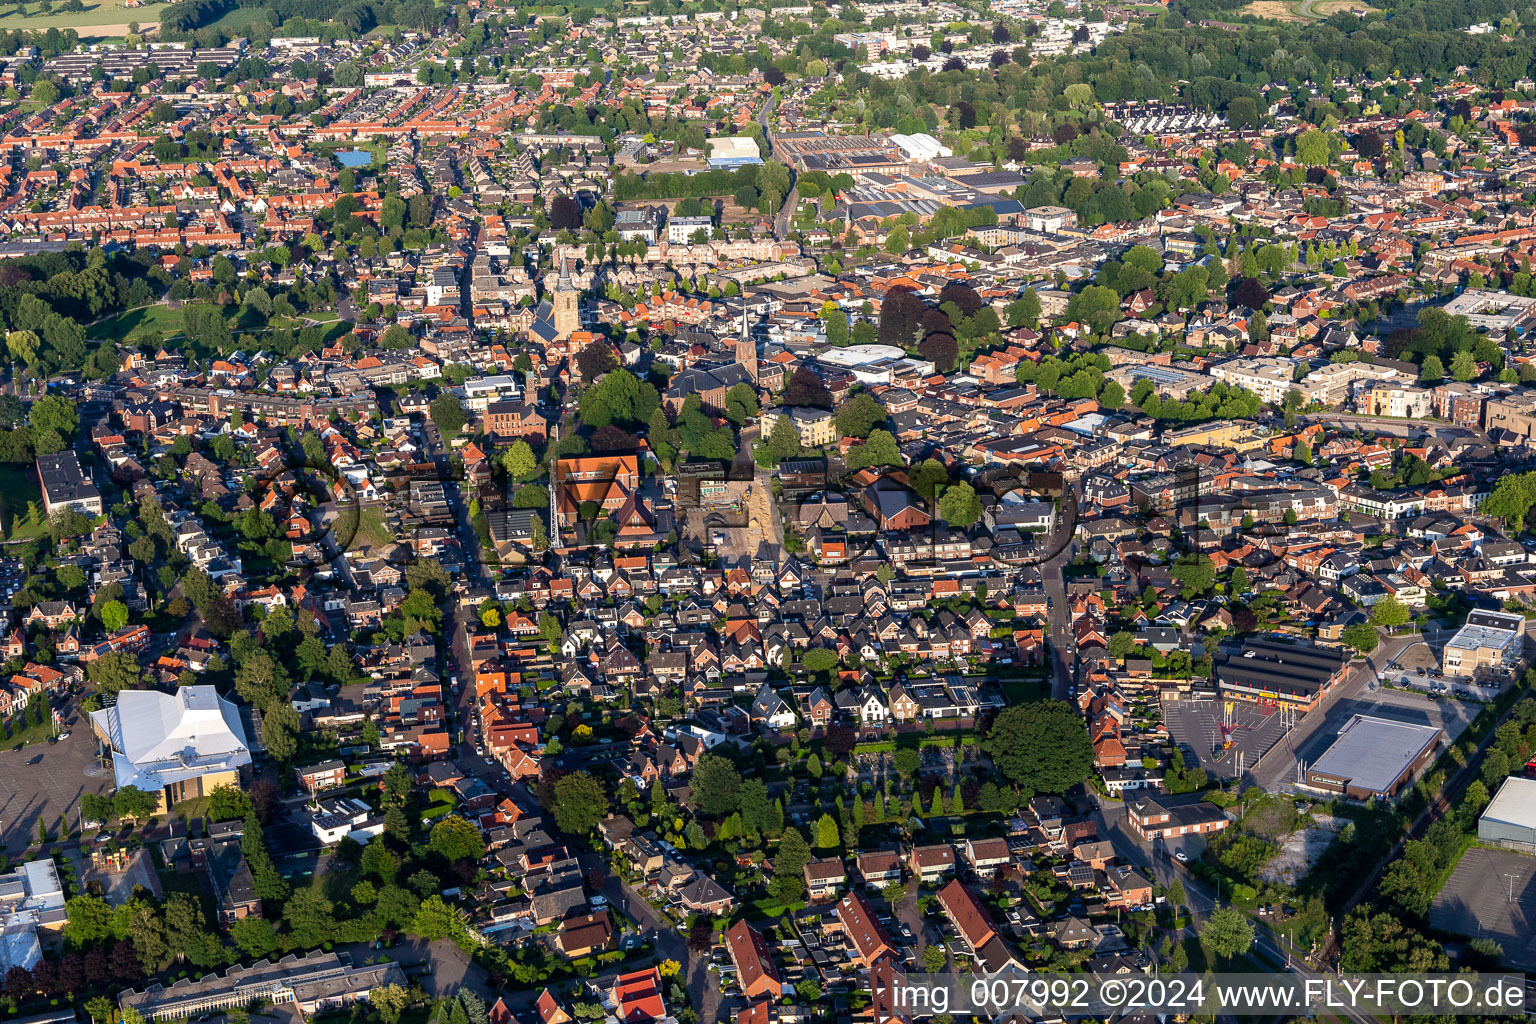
24	732
19	487
242	18
99	19
155	324
146	322
358	529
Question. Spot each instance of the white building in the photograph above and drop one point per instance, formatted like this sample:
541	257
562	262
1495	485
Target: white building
480	392
176	745
1510	819
342	817
1492	310
1270	379
681	229
30	898
921	147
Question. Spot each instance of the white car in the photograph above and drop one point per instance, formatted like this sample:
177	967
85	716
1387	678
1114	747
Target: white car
1181	856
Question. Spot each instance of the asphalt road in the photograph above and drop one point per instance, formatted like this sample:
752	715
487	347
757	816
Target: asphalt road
785	216
1059	640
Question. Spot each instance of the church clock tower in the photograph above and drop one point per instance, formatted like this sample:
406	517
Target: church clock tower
566	301
746	348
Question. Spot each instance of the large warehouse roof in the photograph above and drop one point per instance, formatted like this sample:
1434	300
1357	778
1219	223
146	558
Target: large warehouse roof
1373	754
1514	804
1300	669
161	738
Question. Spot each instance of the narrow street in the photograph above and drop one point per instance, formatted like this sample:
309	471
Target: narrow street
703	992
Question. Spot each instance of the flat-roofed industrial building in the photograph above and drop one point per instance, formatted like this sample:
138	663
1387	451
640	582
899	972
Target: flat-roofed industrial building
1510	818
1374	758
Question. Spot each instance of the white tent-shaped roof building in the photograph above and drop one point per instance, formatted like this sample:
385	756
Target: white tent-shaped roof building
178	745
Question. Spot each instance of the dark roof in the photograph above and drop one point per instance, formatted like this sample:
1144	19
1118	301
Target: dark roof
1301	669
62	478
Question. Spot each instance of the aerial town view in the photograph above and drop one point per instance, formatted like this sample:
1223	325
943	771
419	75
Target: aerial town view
688	511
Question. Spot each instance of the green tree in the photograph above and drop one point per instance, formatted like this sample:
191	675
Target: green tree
255	937
133	802
1042	746
783	441
740	403
880	449
1389	612
1227	932
827	833
310	916
716	786
959	505
927	477
788	864
447	414
390	1002
280	730
55	413
580	803
518	460
859	415
1314	148
114	616
1196	573
435	919
1361	637
454	839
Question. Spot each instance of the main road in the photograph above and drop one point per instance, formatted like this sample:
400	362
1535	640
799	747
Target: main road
1059	643
785	216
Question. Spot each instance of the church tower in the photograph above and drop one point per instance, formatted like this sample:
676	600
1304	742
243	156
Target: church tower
567	304
746	347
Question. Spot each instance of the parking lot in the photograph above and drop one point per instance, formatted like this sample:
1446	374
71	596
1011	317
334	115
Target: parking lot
1447	686
53	786
1491	895
1254	731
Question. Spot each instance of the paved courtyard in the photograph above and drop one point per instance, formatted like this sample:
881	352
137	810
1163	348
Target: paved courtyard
1254	732
53	786
1492	894
117	887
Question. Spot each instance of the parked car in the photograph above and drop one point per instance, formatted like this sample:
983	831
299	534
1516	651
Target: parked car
1181	856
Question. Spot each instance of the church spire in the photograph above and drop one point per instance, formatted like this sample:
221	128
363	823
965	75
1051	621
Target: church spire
746	346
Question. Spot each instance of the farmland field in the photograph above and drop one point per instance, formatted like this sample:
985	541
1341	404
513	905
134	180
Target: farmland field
1298	11
101	19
